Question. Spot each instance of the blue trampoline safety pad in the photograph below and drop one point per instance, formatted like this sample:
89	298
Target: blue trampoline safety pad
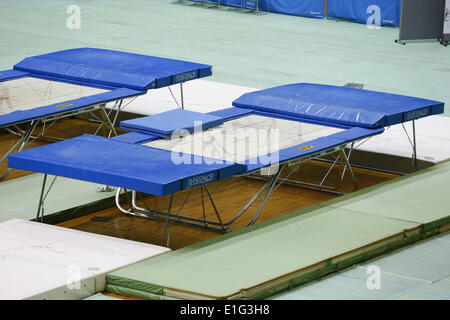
113	68
339	105
106	161
6	75
166	123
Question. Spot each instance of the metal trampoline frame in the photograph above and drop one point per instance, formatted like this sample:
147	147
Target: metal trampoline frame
267	189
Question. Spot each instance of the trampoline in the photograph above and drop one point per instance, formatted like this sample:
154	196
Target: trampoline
42	89
265	132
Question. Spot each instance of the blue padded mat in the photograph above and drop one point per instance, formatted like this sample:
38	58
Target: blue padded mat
113	68
341	105
125	74
106	161
135	137
167	122
11	74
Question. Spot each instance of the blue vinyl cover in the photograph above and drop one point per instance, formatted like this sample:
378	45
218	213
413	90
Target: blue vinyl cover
101	160
230	113
113	68
136	137
364	11
123	162
340	105
6	75
167	122
65	106
304	8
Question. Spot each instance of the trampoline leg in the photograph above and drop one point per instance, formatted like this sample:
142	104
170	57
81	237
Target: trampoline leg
166	227
249	203
328	172
348	157
215	208
412	143
116	115
105	119
40	209
182	96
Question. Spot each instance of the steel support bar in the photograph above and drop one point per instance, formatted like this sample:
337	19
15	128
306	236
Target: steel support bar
182	95
43	196
40	210
266	196
23	141
204	223
174	218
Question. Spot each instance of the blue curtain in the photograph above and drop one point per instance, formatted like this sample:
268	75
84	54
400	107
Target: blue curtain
303	8
374	12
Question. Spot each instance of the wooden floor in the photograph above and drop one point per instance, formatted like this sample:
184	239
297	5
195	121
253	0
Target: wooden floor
229	197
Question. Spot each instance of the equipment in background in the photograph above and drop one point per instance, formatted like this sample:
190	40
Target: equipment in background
446	33
423	20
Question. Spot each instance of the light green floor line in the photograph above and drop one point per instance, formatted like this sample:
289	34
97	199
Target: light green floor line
420	197
247	258
419	271
19	197
250	50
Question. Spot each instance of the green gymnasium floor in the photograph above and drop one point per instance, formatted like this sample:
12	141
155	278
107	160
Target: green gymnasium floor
250	50
417	272
255	51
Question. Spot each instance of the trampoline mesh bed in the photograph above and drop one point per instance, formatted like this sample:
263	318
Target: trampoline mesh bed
245	138
28	93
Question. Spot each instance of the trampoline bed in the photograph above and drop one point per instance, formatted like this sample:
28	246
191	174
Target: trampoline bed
266	131
45	88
